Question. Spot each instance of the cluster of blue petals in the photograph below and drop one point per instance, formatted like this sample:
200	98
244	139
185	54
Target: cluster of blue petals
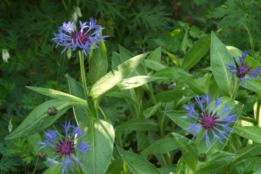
243	71
86	39
221	120
67	159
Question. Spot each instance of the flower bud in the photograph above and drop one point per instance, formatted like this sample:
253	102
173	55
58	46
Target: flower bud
173	85
78	11
10	126
5	55
202	157
69	53
52	111
42	156
181	54
74	16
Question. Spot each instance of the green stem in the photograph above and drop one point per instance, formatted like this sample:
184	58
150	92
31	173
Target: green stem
90	102
36	165
64	4
235	89
83	76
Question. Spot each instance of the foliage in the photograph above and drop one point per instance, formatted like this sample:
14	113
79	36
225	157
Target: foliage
232	15
159	56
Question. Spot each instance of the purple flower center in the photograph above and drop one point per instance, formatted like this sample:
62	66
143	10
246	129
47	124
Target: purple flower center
65	147
80	37
242	70
208	120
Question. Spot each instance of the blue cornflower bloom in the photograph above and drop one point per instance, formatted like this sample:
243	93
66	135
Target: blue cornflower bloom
241	70
65	148
86	39
215	123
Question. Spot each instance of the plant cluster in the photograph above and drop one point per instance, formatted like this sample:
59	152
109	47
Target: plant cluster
130	87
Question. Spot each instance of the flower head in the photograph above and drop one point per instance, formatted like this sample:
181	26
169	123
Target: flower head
65	147
86	39
215	123
242	70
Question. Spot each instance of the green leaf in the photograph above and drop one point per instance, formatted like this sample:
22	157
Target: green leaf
98	63
151	110
38	119
215	161
115	167
189	151
173	95
139	124
198	50
249	132
194	31
57	94
137	164
154	65
137	81
173	58
183	46
155	55
176	117
171	72
253	85
160	157
76	89
247	152
121	95
161	146
168	169
219	58
116	60
100	135
245	166
111	79
192	84
142	140
53	170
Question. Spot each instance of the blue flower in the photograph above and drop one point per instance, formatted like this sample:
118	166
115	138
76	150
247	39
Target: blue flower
242	70
215	123
65	147
86	39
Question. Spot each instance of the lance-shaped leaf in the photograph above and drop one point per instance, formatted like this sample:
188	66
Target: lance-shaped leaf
98	62
253	86
57	94
155	55
189	151
154	65
38	119
161	146
192	84
151	110
249	132
198	50
171	72
137	81
137	164
139	124
219	57
100	135
112	78
215	161
247	152
76	89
